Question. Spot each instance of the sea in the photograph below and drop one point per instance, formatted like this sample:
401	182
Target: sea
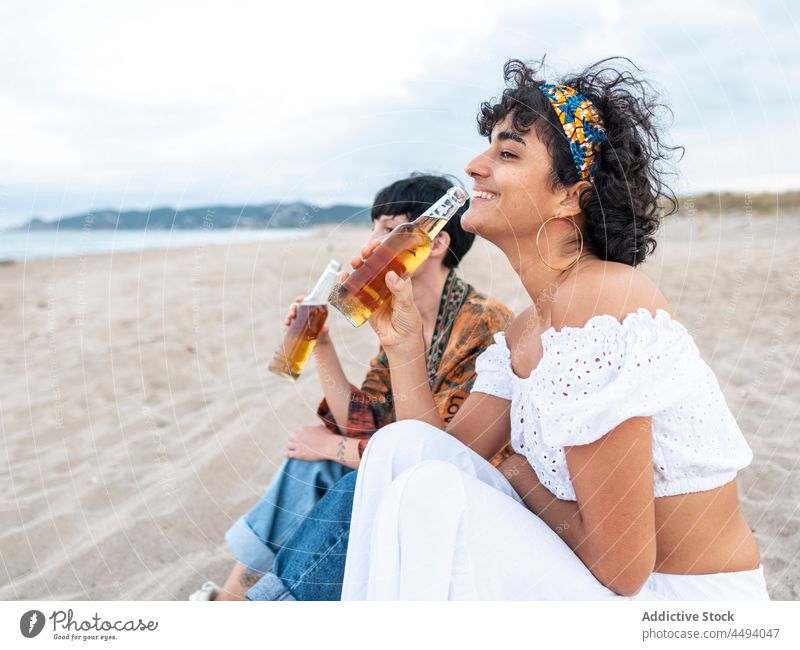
19	245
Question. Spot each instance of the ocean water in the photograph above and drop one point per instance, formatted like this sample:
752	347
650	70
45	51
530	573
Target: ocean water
41	244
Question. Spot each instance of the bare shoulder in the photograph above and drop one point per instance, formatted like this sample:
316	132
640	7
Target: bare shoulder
526	321
605	288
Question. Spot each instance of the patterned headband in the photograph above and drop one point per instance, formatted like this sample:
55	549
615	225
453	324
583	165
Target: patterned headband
581	123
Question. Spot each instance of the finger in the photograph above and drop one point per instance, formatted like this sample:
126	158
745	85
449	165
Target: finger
400	288
343	277
324	329
368	248
356	261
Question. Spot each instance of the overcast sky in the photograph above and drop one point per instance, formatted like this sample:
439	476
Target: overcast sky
142	104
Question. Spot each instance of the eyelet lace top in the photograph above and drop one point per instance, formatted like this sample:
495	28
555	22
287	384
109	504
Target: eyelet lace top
592	378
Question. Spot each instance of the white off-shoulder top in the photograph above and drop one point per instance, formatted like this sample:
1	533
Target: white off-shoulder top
592	378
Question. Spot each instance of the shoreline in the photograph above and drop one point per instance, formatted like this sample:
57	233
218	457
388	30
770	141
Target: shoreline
245	236
43	244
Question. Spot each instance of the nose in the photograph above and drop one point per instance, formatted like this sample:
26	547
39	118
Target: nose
477	167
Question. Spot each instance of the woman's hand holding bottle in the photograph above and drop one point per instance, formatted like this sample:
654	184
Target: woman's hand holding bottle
397	322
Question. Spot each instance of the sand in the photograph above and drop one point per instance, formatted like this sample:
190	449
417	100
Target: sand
139	421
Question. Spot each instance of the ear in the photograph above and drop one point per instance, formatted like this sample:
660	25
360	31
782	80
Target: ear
440	245
571	202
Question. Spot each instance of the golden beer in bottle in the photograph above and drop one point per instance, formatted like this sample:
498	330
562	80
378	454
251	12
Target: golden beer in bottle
300	338
403	251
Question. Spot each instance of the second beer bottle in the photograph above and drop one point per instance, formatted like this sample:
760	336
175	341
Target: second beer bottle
300	338
403	251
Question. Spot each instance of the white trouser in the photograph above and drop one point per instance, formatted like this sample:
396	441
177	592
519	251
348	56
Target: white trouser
432	520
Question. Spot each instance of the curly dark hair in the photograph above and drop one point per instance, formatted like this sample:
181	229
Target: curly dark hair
628	196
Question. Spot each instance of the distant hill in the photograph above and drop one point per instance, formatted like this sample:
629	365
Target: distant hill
268	215
301	215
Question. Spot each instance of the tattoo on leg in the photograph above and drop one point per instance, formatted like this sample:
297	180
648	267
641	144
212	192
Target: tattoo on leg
247	580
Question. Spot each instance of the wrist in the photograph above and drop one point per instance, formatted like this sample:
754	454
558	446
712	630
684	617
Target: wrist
324	352
343	450
408	347
331	448
323	341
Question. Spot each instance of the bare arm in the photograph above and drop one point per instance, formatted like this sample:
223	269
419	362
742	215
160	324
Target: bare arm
562	516
611	526
335	386
613	482
413	398
334	383
482	422
399	327
315	442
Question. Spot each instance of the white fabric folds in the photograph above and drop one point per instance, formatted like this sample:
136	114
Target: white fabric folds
432	520
592	378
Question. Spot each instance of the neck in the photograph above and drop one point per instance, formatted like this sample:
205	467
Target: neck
428	289
540	281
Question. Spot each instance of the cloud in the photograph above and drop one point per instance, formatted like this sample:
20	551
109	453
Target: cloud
138	103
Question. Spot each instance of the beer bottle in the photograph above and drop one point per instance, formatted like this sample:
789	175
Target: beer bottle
299	340
406	247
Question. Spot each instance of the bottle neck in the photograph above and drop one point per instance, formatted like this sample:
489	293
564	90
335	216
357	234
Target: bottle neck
319	294
431	226
436	217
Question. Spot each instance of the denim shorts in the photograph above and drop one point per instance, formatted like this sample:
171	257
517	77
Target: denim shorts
298	485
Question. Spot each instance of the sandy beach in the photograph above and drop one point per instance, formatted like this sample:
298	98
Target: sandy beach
139	419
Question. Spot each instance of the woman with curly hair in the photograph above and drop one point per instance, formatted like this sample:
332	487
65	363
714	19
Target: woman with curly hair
623	479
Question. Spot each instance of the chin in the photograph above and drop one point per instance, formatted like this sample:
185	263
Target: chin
468	220
478	222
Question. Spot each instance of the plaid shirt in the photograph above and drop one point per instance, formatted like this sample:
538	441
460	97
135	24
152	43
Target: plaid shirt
465	325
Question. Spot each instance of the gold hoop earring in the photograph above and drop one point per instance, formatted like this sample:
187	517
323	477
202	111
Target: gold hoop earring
580	246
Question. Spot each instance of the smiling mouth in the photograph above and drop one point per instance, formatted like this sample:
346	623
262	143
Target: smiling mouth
486	196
